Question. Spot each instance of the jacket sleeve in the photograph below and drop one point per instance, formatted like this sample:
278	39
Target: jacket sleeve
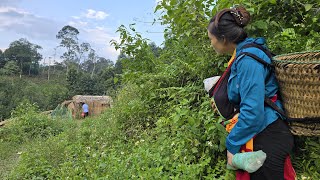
250	77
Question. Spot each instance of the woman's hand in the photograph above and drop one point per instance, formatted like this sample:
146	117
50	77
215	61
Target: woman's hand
213	106
229	157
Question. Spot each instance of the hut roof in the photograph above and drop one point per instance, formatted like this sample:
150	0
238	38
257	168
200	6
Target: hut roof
82	98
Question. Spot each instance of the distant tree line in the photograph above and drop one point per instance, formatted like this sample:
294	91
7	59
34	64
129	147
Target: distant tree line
22	57
81	71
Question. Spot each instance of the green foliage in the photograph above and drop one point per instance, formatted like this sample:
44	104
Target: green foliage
100	150
307	156
10	68
47	95
83	83
76	52
28	123
286	31
8	157
131	112
61	112
25	54
161	125
69	39
2	59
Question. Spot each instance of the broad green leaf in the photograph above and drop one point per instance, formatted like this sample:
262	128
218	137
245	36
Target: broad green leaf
314	20
191	121
308	6
188	33
261	24
115	80
194	150
251	10
273	1
274	23
157	8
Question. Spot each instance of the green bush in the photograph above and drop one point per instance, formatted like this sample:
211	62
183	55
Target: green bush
161	125
28	123
13	91
306	157
40	158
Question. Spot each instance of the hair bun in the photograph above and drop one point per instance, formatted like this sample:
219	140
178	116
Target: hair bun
241	15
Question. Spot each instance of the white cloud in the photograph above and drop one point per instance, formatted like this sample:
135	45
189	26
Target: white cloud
98	15
78	23
99	37
17	23
100	34
9	2
27	24
111	52
75	17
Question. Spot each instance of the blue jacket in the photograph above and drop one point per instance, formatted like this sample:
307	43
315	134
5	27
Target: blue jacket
247	88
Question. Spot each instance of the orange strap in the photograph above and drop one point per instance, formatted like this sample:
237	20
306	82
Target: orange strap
233	121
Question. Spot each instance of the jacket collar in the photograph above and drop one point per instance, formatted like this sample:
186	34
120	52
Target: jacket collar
260	41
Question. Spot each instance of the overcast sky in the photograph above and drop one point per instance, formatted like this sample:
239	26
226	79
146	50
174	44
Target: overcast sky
97	20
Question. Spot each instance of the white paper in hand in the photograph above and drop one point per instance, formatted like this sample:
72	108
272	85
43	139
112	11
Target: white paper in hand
210	82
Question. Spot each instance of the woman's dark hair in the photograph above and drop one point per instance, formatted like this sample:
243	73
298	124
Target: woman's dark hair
228	24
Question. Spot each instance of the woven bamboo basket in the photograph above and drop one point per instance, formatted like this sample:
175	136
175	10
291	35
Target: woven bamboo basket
298	75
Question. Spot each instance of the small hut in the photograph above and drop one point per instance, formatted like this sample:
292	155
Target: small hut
97	104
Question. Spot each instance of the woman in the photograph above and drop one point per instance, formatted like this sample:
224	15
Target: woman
249	83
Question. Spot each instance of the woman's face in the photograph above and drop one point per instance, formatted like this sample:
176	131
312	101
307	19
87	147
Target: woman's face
218	46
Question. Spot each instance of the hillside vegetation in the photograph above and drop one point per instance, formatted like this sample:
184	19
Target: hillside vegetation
161	125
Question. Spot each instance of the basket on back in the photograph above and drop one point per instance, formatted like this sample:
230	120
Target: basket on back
298	75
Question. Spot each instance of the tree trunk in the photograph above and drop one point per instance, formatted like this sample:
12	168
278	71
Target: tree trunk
29	69
94	68
49	73
20	70
44	65
49	70
78	68
54	68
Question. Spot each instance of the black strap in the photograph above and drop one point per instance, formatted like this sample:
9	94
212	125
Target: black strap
274	106
270	66
267	52
305	120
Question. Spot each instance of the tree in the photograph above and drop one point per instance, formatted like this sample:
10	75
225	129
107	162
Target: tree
10	68
75	52
58	68
96	64
25	54
89	65
107	81
155	49
2	60
82	49
118	66
69	39
103	63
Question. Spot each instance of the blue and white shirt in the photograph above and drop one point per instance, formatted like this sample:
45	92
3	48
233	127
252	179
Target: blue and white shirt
85	108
